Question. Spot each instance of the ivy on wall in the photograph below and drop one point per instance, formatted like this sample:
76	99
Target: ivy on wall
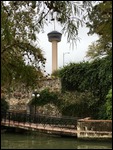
92	76
95	77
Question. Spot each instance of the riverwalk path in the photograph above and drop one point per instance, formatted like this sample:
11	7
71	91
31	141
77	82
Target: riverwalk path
52	129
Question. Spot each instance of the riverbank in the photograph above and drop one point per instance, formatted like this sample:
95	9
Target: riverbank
94	129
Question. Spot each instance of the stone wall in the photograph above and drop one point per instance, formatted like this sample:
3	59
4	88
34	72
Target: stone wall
19	96
54	84
94	129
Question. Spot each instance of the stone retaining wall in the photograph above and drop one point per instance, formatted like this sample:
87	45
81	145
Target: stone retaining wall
54	84
94	129
21	92
19	96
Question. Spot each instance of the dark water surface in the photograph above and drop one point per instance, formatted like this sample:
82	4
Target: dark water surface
44	141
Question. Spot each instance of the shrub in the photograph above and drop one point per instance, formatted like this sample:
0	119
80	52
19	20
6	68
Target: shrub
108	104
78	104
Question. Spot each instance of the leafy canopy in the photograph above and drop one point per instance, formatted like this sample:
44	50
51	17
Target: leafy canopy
100	22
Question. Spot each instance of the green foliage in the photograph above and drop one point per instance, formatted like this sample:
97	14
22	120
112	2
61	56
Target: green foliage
98	49
17	34
94	77
100	22
87	76
106	109
29	76
45	97
14	72
101	15
55	73
74	104
108	104
78	104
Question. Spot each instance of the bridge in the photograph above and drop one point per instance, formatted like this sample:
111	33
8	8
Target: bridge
64	125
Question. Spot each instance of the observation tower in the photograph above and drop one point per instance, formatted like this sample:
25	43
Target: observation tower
54	37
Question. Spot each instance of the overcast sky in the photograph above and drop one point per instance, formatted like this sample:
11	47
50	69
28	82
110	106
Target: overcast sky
75	55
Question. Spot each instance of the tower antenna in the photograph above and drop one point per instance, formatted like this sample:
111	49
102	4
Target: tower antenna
54	24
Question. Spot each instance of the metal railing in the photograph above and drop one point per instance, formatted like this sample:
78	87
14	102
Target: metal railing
62	122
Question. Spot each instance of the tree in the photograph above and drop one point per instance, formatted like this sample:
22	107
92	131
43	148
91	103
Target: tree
97	50
15	46
100	22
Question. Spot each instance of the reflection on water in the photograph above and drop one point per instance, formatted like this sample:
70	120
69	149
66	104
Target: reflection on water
44	141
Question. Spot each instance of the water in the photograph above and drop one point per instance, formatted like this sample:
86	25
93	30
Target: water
44	141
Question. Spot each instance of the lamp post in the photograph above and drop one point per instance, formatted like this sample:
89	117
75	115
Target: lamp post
35	95
63	56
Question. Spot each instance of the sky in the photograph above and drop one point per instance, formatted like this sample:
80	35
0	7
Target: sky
66	54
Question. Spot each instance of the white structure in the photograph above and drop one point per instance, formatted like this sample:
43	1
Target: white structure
54	37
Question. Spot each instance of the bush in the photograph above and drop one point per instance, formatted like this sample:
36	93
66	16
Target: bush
78	104
45	97
94	77
108	104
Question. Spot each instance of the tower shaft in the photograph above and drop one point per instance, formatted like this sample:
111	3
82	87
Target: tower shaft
54	56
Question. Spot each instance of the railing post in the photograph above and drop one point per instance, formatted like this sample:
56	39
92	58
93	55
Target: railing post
9	117
24	118
5	116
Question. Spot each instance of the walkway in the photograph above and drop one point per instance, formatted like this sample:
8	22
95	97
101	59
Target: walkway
52	125
43	128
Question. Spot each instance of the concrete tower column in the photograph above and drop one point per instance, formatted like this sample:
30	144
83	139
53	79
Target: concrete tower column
54	56
54	37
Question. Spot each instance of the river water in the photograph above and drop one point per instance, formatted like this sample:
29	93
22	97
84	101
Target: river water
45	141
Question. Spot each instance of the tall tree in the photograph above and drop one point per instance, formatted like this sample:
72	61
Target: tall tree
100	22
